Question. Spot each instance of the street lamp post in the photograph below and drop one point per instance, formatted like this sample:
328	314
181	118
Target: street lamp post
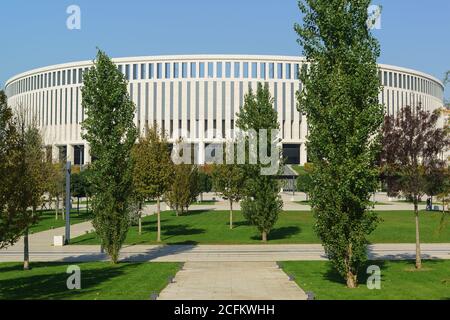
68	202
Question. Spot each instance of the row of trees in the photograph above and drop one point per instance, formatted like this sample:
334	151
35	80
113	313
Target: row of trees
125	173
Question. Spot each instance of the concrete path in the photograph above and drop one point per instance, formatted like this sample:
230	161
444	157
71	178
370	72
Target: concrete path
232	281
221	253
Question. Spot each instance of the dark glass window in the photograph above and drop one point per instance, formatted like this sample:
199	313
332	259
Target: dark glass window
228	69
219	70
184	70
237	71
193	70
254	70
143	71
201	69
210	69
135	71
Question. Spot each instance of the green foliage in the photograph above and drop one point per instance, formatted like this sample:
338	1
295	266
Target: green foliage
56	183
340	99
184	189
304	179
10	228
153	167
229	180
262	203
110	130
205	183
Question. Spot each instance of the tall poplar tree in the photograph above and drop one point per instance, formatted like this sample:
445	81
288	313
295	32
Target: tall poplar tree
110	130
340	99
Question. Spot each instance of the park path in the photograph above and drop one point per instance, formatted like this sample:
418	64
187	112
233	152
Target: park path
220	253
232	281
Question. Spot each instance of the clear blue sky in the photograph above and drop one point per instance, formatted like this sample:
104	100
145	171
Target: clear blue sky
415	33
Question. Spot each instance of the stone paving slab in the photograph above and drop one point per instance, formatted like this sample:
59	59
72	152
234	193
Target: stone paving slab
232	281
217	253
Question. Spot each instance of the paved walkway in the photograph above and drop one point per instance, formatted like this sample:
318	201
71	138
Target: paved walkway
220	253
232	281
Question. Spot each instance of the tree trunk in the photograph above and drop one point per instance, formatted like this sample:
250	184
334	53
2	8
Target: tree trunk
158	212
78	205
351	280
231	214
264	236
418	256
26	251
51	207
87	205
57	207
201	197
140	224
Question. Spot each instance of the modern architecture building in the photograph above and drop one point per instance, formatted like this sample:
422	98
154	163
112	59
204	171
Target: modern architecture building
195	97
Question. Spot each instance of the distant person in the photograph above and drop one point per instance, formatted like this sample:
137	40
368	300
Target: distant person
428	204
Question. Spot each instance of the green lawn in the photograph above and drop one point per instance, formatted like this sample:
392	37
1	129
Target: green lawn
211	227
47	220
99	281
307	202
399	281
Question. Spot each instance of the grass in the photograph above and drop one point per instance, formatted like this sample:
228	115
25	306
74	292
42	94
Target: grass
211	227
99	281
399	281
47	220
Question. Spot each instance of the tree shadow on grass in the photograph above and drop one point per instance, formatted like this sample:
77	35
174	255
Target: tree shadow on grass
280	233
238	224
194	213
53	285
333	275
180	230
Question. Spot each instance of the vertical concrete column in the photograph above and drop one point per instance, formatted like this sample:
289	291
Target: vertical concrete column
303	154
55	154
71	153
201	153
87	154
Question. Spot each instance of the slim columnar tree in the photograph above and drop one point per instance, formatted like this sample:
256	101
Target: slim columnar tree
261	203
340	100
153	170
109	128
412	152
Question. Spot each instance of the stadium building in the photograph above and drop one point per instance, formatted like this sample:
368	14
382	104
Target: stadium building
195	97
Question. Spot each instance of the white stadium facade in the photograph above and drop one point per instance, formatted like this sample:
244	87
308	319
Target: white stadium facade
195	97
